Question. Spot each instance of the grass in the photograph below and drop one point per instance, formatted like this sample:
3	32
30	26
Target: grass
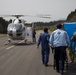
2	35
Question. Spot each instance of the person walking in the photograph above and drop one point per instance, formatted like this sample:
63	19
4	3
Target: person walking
59	40
34	35
45	49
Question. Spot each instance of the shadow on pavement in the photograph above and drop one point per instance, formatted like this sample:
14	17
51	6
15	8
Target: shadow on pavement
71	69
50	65
24	44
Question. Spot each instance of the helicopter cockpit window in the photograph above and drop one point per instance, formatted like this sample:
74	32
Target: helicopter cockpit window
10	26
18	27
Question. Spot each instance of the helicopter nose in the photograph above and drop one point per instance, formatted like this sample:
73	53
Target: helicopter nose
14	32
18	33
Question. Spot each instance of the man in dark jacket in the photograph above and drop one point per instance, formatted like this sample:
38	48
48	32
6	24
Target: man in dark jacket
34	35
44	40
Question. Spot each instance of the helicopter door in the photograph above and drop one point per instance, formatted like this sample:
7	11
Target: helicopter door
29	33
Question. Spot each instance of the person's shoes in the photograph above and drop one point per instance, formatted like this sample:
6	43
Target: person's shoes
61	72
46	65
57	71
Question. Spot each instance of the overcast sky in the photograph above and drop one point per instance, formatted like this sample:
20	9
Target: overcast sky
58	9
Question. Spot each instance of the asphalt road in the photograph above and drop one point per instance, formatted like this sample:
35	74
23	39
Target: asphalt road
23	59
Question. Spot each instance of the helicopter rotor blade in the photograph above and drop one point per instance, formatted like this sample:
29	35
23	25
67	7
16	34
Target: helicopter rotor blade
13	15
38	15
43	15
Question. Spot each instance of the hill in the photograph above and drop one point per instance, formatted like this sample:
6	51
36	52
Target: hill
72	16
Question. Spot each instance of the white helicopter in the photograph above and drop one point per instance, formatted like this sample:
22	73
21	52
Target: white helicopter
17	31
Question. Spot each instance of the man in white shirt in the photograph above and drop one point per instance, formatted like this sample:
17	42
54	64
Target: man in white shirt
59	40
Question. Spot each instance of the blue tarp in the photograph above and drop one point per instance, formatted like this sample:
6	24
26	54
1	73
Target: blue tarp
70	28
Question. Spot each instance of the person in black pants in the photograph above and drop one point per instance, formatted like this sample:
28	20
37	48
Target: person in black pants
59	40
34	35
59	56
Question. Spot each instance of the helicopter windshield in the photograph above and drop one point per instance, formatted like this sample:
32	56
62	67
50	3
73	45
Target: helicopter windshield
10	26
16	26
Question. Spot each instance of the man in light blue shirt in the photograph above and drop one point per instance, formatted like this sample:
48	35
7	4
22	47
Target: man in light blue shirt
59	40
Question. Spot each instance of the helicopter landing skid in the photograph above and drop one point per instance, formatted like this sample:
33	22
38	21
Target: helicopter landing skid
8	42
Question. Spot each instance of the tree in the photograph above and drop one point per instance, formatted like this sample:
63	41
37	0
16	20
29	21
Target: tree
3	25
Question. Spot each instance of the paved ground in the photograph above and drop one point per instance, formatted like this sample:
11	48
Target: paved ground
23	59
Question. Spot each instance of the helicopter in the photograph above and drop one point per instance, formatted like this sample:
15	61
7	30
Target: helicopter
16	29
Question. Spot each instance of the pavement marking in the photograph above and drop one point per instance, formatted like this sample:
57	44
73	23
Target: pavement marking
10	47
